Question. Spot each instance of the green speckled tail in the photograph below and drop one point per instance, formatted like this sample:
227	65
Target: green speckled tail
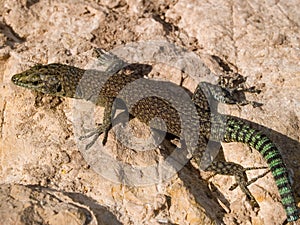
237	131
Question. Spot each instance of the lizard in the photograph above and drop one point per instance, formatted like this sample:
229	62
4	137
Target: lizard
104	88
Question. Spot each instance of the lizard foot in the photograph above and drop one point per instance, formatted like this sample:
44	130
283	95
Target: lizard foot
109	61
239	172
243	184
234	89
96	133
234	186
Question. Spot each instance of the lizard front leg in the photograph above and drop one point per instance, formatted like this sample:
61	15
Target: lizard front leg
110	62
109	112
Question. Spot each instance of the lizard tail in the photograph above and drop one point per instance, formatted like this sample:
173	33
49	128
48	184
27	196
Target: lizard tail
238	131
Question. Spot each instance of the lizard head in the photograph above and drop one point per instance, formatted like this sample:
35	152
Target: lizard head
43	78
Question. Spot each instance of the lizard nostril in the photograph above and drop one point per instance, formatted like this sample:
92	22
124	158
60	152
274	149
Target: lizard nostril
15	79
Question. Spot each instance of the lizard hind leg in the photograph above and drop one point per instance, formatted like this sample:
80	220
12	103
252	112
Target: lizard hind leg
216	93
239	172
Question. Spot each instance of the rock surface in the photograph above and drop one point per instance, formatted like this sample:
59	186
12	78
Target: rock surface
34	204
44	177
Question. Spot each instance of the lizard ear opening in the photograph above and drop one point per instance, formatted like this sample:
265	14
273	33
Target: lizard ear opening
59	88
36	83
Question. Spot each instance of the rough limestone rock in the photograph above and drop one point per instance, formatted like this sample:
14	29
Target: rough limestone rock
45	176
